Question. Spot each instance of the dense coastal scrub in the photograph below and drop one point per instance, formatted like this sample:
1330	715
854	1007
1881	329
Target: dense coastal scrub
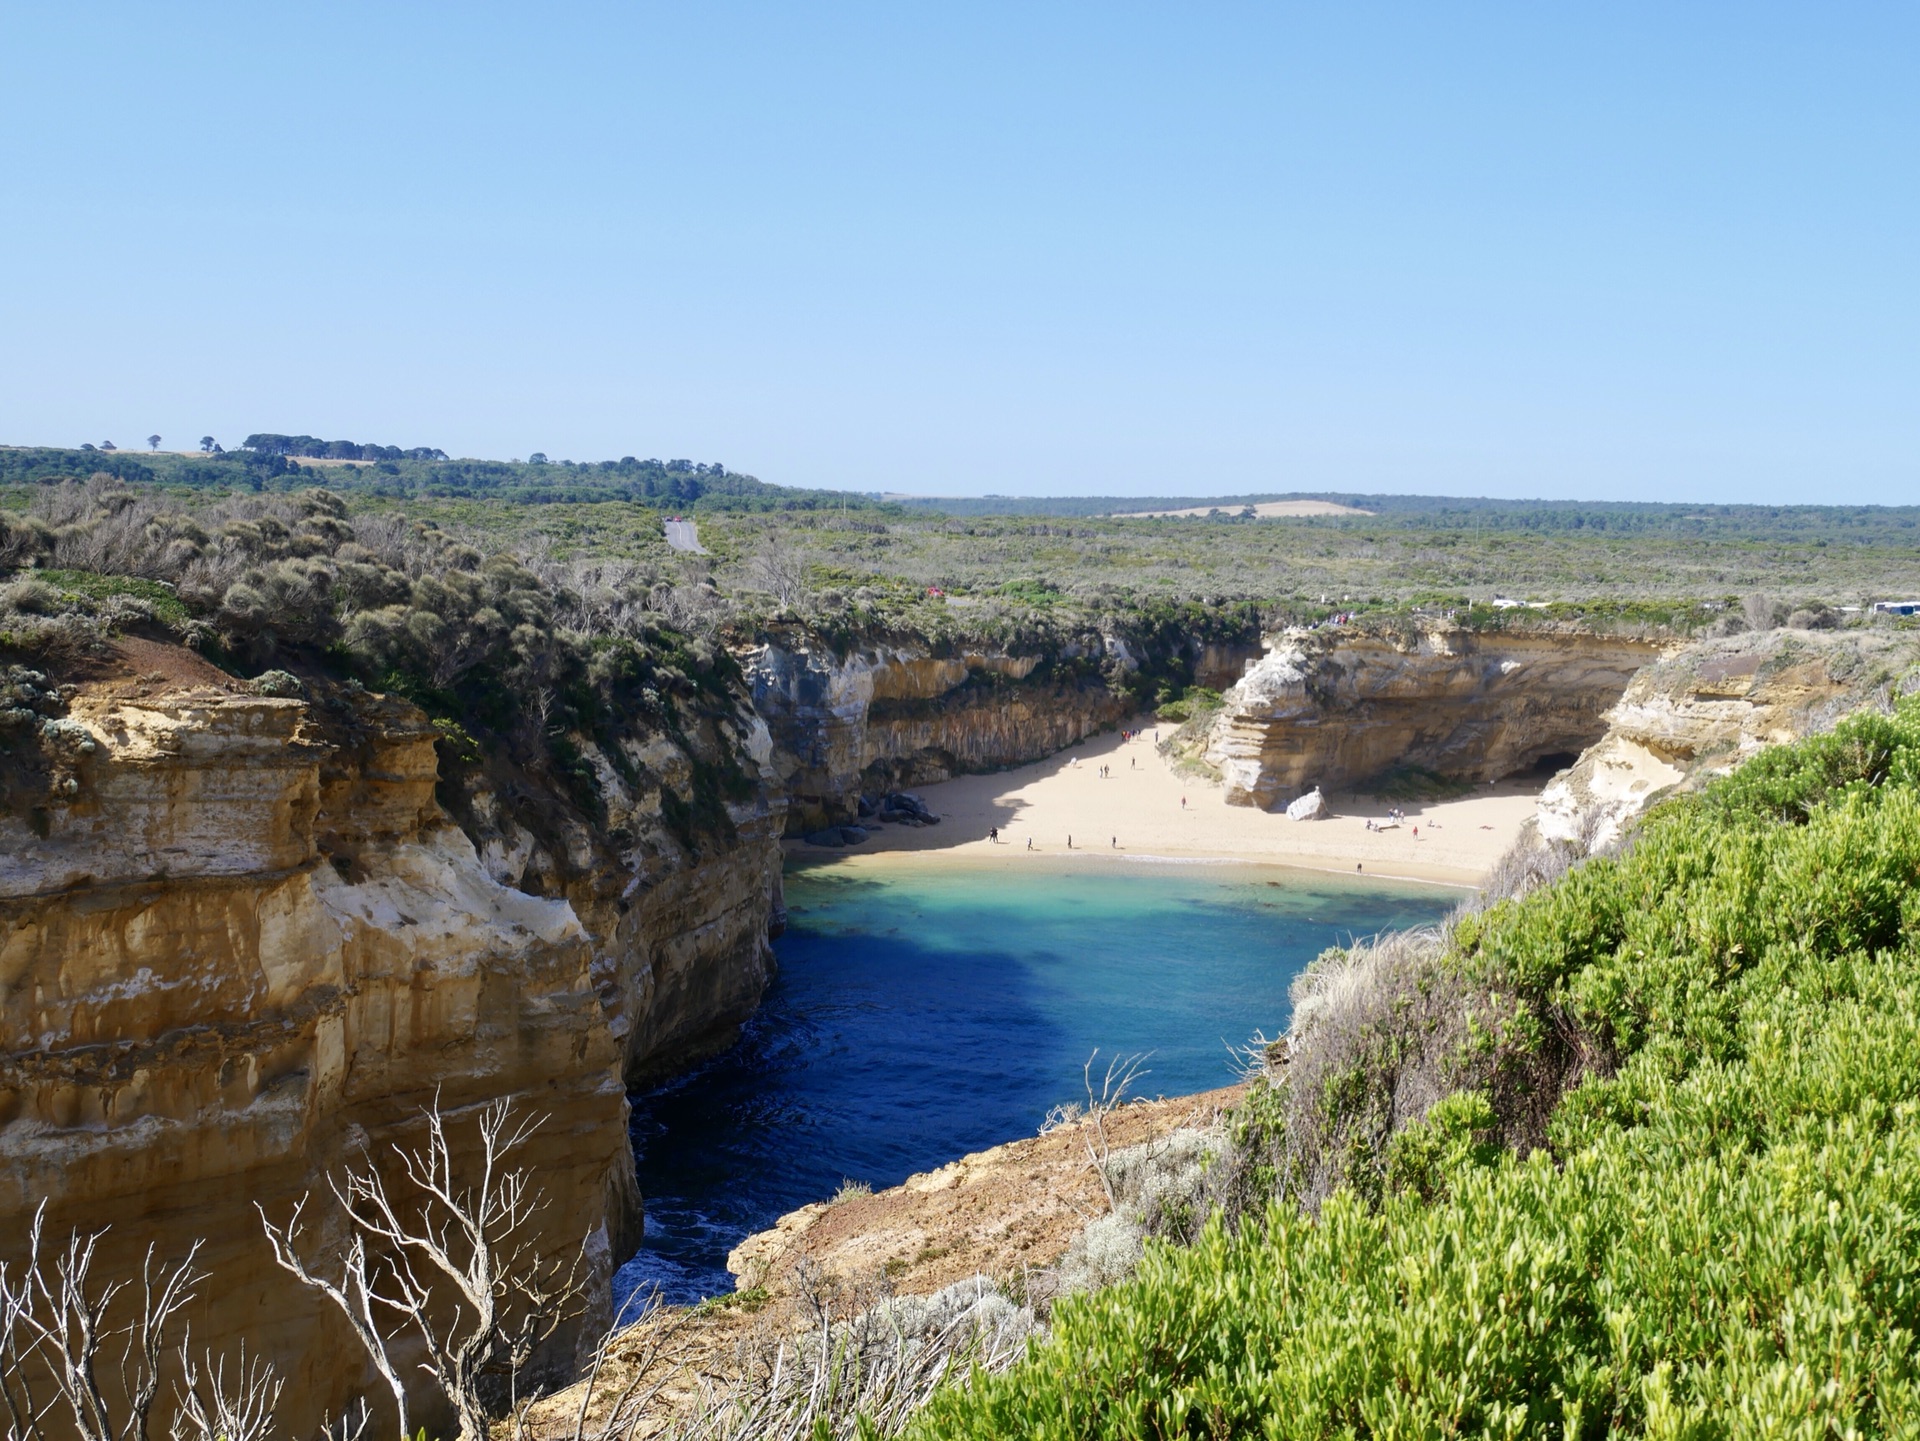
1610	564
517	662
1636	1151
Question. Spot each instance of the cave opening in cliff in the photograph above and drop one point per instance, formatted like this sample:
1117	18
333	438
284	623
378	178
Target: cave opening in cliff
1546	767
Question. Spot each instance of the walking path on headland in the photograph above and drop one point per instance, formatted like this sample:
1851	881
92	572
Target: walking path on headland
1138	803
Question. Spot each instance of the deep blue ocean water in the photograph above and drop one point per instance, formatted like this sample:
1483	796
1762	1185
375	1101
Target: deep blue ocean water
920	1014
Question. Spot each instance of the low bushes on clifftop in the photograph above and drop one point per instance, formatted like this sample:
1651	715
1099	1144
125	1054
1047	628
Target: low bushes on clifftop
520	663
1636	1152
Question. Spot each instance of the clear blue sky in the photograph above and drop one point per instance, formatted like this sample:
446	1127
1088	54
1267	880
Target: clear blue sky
1627	251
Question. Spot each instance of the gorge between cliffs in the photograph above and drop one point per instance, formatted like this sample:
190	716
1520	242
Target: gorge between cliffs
253	926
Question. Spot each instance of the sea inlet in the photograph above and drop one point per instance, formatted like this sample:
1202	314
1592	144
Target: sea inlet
923	1011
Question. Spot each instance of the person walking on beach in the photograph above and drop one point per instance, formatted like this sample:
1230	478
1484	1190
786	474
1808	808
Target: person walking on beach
1029	842
1069	842
993	834
1183	803
1116	843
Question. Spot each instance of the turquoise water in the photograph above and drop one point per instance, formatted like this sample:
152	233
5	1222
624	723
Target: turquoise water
920	1014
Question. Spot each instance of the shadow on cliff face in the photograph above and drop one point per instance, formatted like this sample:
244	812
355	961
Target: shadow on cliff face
872	1058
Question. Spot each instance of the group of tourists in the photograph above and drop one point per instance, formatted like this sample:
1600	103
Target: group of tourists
1397	817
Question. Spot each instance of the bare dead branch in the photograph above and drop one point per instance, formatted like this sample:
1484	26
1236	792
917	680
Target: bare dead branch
457	1265
211	1410
58	1324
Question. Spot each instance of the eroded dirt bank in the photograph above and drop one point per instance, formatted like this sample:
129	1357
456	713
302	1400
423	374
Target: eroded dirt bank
1008	1213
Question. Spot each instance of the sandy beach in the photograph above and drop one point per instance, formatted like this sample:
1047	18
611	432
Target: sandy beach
1136	811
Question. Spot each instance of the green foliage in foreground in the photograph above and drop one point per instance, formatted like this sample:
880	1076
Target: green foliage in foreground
1721	1236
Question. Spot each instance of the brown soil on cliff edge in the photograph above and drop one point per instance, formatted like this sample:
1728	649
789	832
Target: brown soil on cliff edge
135	666
1004	1213
996	1212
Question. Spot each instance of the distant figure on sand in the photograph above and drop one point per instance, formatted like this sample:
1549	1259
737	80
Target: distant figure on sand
1116	843
993	834
1183	803
1069	842
1029	842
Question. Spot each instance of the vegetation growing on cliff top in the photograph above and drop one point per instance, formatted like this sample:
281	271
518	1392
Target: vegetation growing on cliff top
1625	564
1637	1151
523	657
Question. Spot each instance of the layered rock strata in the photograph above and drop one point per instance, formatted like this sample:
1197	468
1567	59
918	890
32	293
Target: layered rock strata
680	921
1706	707
882	717
1334	708
247	943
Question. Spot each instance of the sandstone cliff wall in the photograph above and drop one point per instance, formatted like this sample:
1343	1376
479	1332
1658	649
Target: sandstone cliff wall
245	943
1334	708
681	924
894	715
1704	708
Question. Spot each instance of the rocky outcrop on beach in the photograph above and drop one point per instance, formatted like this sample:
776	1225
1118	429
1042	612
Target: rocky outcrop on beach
1336	707
1709	705
248	936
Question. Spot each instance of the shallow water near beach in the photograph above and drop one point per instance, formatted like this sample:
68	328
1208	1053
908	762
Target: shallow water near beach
921	1013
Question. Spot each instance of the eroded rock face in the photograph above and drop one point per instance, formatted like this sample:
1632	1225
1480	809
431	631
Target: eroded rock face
882	717
1332	708
680	921
250	945
1706	707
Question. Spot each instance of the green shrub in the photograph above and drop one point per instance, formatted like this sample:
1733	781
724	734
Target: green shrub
1718	1232
166	605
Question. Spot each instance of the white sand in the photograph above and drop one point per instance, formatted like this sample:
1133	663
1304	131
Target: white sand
1139	807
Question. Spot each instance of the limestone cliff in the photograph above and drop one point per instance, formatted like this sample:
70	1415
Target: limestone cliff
1335	707
891	715
680	920
245	940
884	715
1707	706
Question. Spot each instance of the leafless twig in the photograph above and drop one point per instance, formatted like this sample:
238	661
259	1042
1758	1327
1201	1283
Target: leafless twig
55	1324
1121	1074
455	1263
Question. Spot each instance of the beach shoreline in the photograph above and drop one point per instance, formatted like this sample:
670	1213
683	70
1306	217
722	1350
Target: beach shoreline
880	860
1114	798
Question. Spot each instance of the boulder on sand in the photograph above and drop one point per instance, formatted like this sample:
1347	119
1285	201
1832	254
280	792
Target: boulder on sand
826	838
853	835
1310	807
906	808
